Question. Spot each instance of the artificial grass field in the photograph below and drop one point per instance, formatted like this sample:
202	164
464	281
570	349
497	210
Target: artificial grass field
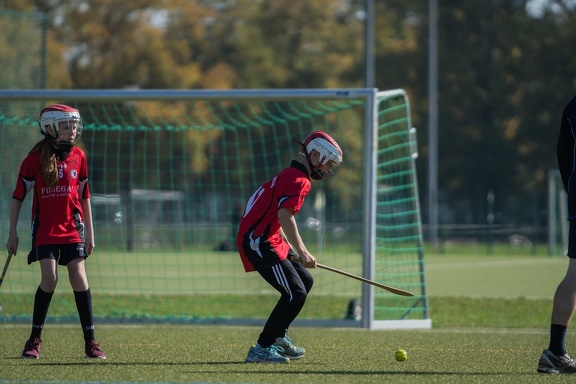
215	354
490	323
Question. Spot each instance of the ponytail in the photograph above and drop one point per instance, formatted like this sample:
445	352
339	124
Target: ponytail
49	165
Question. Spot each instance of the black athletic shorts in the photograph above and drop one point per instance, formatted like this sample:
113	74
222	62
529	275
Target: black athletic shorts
572	240
63	253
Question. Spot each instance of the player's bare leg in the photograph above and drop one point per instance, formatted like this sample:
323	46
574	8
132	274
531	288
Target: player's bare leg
555	359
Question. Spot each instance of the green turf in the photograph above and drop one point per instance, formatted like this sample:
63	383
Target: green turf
215	354
500	276
490	323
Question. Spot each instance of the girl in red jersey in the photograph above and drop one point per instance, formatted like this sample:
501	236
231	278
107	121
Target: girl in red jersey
56	171
269	242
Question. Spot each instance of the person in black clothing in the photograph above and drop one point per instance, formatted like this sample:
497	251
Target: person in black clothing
555	359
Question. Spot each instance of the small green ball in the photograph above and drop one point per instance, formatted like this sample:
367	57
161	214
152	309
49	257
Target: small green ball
401	355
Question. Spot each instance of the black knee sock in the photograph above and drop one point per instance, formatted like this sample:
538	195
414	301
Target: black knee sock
557	339
84	306
41	304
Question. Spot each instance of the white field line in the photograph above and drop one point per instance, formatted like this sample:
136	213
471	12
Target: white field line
494	263
507	331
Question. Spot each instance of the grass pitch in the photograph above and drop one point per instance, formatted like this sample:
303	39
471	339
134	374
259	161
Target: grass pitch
215	354
490	323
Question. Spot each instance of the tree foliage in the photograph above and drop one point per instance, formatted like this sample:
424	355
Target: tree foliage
505	72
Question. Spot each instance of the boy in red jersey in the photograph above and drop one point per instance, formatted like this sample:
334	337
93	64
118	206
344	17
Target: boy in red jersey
269	242
62	233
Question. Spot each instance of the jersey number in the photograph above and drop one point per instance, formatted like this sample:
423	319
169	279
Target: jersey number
253	200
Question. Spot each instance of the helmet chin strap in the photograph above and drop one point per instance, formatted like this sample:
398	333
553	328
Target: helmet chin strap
65	146
314	174
60	146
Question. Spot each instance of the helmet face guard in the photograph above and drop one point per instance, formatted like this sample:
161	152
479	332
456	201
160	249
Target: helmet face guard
330	154
50	118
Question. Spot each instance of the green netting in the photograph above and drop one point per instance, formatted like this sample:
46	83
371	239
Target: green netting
169	179
23	46
399	252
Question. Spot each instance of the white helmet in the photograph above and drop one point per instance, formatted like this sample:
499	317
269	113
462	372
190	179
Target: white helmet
50	118
330	154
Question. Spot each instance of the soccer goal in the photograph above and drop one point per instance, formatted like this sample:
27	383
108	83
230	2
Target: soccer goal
170	171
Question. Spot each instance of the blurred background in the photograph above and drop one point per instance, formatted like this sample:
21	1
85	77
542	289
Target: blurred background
487	80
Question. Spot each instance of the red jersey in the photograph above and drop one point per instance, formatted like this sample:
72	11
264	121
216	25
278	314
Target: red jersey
57	216
259	240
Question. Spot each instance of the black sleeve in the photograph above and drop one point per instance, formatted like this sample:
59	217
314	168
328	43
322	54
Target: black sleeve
567	143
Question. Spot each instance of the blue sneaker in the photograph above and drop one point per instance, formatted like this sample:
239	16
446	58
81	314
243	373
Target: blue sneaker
258	354
286	348
550	363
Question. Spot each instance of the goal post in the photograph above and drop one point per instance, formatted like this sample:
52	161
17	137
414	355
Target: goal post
398	256
557	215
170	171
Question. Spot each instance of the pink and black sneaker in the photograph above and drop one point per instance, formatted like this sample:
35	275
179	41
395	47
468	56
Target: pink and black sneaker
32	348
93	351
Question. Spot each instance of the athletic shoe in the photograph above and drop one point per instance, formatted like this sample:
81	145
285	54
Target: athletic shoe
32	348
550	363
258	354
286	348
93	351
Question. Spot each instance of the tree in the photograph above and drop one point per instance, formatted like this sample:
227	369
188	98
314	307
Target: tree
505	73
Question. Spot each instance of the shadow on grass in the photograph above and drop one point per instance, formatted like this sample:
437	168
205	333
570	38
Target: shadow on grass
359	373
275	372
110	363
372	373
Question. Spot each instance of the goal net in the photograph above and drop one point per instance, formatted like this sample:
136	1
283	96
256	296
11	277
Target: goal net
169	174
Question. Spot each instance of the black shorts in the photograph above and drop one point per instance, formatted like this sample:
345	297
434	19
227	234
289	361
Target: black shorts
572	240
63	253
